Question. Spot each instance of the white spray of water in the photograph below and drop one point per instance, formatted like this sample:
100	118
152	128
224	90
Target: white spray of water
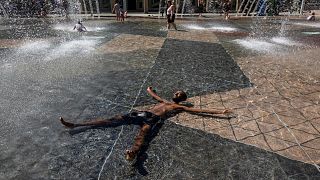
51	51
34	46
69	28
316	25
64	27
311	33
6	66
223	29
218	28
194	27
285	41
274	45
257	44
77	47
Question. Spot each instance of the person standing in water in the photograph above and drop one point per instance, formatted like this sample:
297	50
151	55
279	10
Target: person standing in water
171	15
226	9
116	10
200	8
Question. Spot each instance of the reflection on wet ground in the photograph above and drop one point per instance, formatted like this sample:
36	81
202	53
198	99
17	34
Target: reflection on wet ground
266	70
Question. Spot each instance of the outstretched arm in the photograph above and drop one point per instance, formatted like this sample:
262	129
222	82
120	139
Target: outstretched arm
210	111
154	95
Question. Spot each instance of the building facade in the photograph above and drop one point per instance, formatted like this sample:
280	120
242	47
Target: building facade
146	6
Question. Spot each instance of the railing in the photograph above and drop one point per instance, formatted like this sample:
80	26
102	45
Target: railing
252	7
262	7
312	5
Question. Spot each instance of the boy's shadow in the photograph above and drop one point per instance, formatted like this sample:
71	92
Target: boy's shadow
142	156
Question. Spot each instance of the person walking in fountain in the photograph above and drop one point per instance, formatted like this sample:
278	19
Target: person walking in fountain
171	15
80	27
116	10
66	6
200	8
226	9
162	7
123	14
146	119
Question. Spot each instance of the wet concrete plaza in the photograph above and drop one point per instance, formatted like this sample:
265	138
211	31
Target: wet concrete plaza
266	70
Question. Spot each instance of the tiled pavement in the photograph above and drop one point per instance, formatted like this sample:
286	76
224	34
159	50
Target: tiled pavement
279	113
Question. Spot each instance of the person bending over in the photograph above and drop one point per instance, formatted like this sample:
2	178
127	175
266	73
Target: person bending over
79	27
146	119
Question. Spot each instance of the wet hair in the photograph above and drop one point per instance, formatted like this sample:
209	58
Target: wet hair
181	97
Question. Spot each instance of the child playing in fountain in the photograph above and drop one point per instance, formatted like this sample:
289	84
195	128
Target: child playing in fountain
80	27
147	119
312	17
171	15
116	10
123	14
226	9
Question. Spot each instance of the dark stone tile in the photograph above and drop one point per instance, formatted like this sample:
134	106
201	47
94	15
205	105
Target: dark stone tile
36	146
196	67
139	28
174	152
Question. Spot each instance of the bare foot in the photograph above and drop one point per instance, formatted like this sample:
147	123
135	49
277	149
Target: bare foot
227	111
67	124
130	155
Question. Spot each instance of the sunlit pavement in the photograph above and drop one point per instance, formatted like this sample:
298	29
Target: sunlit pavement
270	80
